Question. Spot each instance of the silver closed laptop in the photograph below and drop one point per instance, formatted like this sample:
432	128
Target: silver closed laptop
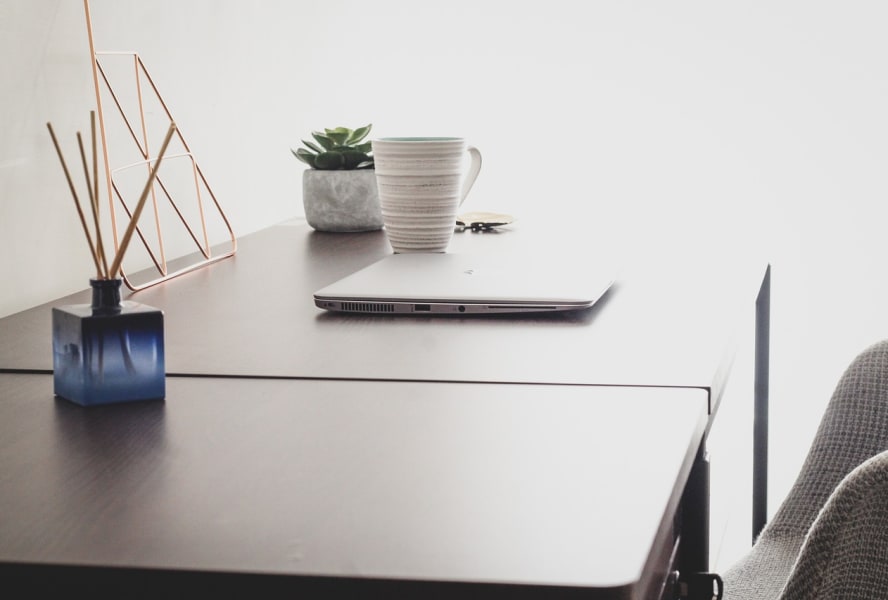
454	284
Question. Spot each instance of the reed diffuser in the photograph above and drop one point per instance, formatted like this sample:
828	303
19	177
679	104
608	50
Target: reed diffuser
111	350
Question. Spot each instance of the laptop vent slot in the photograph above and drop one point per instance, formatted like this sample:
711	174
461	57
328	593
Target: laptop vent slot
368	307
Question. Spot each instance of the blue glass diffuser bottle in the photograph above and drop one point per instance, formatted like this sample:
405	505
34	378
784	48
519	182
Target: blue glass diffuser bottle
108	351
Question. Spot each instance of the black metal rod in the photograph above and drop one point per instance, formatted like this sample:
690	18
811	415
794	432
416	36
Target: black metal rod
760	425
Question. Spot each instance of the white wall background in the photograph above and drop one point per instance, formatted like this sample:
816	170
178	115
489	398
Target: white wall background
755	122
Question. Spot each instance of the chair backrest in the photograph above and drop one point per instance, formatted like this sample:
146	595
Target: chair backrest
846	552
853	429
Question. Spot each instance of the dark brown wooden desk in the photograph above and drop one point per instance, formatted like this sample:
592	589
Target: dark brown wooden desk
248	352
358	487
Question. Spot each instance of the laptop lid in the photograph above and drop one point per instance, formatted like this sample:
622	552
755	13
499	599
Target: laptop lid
426	283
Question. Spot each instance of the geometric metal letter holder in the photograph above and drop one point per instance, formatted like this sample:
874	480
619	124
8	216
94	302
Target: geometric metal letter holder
183	223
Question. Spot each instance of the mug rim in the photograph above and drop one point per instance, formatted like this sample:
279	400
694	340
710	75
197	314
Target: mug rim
415	139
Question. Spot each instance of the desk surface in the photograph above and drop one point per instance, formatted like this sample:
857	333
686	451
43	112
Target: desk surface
472	483
668	321
472	450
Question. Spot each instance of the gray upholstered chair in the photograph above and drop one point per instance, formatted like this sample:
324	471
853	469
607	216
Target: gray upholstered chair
829	538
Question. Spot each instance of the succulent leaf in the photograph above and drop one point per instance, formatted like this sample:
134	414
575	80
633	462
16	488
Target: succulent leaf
305	156
323	140
358	134
351	159
339	135
329	160
366	147
313	146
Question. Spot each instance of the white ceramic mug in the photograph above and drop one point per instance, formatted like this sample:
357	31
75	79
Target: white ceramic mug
422	182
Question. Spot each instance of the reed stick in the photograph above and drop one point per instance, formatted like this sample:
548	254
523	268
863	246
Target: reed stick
94	64
102	269
127	236
92	248
100	245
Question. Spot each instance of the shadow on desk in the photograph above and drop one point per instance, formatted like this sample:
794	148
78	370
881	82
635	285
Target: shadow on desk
124	433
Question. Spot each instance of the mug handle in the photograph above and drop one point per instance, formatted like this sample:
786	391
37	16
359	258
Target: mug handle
472	174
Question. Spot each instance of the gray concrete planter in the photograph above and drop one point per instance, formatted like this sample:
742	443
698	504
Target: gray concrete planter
341	201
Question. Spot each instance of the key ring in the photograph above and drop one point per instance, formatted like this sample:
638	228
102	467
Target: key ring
482	221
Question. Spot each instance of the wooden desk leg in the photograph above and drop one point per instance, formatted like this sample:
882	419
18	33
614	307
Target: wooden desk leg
694	550
760	426
692	580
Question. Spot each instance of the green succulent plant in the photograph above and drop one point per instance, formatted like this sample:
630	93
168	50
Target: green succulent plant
339	148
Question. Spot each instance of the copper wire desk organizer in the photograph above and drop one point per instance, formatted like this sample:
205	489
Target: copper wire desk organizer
195	222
